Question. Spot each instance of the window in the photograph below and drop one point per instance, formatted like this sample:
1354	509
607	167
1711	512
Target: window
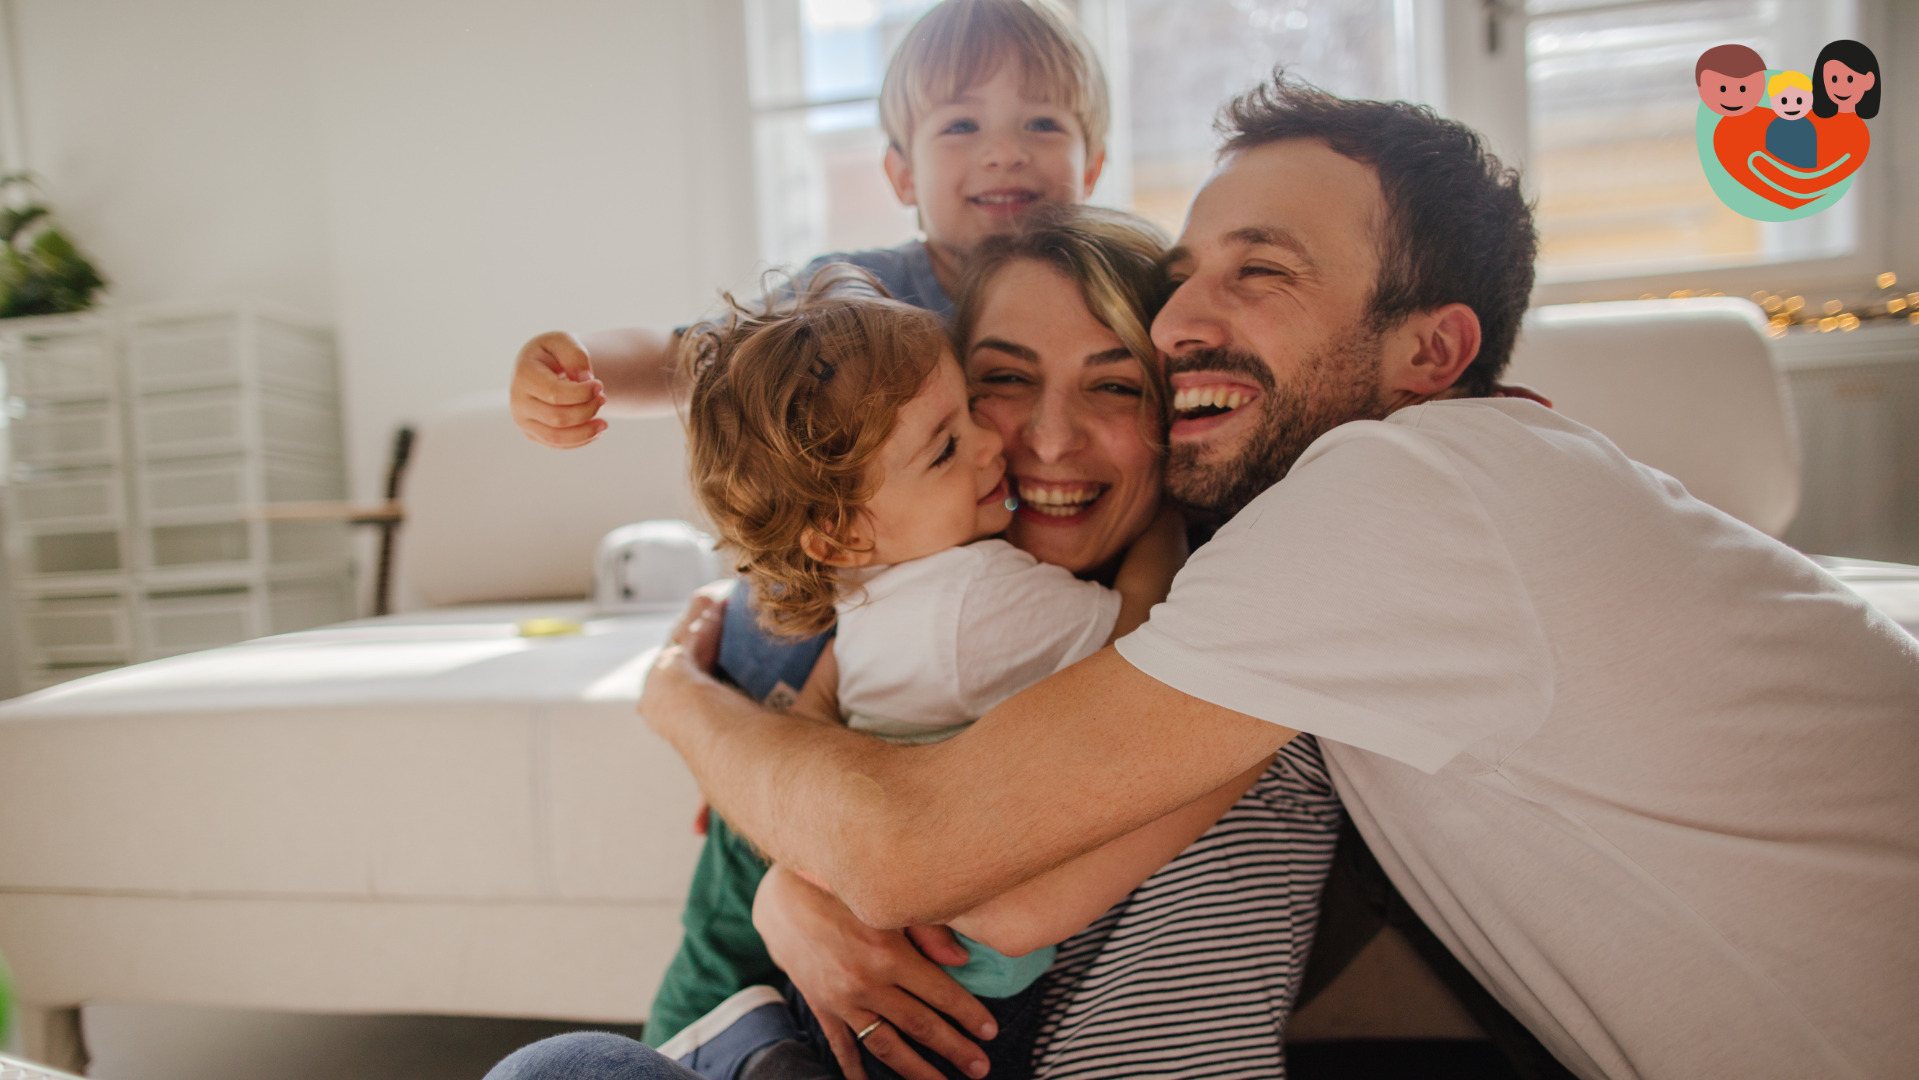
815	68
1186	58
1613	153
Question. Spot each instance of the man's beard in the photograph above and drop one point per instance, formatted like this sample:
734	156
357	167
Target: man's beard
1337	384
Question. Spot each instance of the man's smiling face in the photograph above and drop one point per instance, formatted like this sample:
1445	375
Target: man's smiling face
1267	340
1730	96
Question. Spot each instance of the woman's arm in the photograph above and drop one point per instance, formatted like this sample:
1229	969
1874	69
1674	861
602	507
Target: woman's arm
1062	902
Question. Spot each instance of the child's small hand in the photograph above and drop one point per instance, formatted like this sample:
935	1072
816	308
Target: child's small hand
555	398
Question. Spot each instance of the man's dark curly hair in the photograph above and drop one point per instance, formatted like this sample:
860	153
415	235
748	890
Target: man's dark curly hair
1457	228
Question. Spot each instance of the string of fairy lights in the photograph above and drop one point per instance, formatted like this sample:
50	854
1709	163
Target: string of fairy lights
1783	313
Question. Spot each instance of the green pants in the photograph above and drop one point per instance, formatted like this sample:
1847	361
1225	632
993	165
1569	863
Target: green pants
721	953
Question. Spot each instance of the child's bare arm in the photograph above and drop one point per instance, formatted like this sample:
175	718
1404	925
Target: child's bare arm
1062	902
819	699
564	386
1146	574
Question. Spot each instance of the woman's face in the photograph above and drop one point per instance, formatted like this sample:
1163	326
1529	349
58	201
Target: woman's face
1066	396
1845	85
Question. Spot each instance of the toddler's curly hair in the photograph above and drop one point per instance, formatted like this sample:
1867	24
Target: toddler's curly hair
790	404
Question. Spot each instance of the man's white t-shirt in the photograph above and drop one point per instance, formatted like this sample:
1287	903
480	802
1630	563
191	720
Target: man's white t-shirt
1652	776
928	646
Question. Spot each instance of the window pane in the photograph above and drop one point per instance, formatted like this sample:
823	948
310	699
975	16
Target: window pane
1614	157
1188	57
821	187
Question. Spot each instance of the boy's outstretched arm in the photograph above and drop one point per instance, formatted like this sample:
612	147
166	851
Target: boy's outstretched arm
564	387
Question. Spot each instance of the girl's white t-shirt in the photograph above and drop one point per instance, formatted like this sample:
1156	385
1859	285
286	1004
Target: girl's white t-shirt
928	646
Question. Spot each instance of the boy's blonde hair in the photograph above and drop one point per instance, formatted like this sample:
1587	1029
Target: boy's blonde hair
790	405
1784	79
961	43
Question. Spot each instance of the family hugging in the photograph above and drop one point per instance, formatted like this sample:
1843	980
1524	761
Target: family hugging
1001	788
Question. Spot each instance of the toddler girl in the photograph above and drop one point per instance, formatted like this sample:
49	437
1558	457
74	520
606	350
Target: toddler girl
833	447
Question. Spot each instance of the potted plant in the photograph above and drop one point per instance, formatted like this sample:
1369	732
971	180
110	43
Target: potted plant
41	271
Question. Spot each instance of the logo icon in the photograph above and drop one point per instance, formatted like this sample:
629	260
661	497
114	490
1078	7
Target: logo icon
1780	145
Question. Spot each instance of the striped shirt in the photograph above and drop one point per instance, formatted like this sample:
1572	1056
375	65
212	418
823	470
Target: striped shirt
1195	973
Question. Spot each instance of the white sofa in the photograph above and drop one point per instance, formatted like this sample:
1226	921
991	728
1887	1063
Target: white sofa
430	813
425	813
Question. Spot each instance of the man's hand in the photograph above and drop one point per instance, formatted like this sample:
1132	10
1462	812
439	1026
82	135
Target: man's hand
689	653
555	398
852	975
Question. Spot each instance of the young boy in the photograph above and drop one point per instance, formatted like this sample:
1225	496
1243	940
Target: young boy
992	108
1791	137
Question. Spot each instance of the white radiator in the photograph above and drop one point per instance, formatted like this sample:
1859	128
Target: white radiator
1856	397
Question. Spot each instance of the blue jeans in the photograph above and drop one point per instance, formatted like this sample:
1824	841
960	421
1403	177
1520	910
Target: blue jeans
588	1055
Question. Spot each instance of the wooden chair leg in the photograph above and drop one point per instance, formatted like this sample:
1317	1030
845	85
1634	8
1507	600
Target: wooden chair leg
52	1036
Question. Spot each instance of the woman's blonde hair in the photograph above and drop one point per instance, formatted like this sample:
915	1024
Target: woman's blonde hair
1113	257
961	43
789	407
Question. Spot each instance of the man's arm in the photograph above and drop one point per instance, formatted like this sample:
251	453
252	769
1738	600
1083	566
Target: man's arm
908	835
1061	902
564	386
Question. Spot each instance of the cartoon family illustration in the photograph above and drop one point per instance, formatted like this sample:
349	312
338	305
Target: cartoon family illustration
1794	155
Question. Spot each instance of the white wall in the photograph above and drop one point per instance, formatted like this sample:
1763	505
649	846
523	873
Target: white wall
441	179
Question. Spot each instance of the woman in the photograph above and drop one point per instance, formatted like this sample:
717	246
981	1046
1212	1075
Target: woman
1202	961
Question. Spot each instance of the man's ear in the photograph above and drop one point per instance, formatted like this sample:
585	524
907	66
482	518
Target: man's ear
856	552
1429	352
899	173
1094	166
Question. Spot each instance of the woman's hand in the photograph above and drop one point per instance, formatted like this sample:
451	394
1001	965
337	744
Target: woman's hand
852	975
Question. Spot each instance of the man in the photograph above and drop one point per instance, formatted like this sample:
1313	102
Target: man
1645	772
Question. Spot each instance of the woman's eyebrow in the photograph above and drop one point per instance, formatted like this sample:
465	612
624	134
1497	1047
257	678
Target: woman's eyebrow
1110	356
1007	347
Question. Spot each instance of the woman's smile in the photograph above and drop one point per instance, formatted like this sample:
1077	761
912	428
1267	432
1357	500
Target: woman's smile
1057	503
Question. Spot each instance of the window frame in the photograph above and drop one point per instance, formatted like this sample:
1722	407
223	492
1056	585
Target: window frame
1871	195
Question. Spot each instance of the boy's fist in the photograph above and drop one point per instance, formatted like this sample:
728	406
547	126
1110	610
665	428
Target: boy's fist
556	400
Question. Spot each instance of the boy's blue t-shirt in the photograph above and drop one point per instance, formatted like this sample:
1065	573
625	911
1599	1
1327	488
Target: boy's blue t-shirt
1795	142
906	271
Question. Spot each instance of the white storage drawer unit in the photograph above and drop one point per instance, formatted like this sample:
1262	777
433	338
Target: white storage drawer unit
147	444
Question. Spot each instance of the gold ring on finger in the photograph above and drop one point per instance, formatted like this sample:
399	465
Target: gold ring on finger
869	1029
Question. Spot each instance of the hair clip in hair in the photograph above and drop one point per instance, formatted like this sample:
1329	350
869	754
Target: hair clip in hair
824	370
